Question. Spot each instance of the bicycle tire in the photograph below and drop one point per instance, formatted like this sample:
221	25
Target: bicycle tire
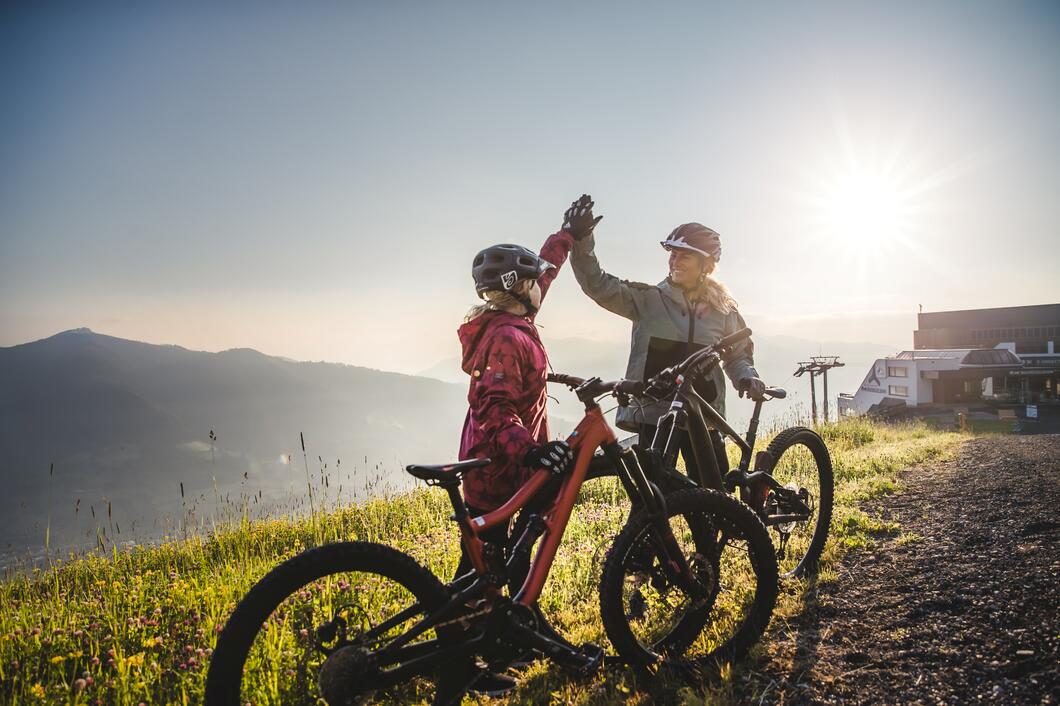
723	510
812	441
225	677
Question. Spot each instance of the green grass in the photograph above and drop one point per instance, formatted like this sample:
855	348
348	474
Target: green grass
138	626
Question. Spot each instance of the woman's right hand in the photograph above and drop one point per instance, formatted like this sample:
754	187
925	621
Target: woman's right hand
578	220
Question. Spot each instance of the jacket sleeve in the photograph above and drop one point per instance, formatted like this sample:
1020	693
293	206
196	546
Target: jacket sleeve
498	384
616	295
739	362
555	250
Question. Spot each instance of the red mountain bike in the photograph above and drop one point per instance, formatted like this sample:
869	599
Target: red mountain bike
692	581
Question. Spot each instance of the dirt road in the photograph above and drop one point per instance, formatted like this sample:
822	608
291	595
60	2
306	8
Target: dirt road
961	607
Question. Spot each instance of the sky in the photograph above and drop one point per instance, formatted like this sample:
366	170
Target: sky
313	179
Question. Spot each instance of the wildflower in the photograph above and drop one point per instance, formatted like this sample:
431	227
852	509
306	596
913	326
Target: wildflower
80	684
37	690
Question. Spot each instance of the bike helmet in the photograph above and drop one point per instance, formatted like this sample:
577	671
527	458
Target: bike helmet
501	267
695	237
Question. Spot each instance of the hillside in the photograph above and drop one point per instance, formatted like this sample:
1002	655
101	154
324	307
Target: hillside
141	624
126	423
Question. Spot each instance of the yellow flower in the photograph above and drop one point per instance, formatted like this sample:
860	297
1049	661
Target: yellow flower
136	660
57	659
37	690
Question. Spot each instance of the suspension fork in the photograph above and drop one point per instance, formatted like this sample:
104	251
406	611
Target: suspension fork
653	503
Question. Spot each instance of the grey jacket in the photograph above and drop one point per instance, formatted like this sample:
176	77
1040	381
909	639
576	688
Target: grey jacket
660	313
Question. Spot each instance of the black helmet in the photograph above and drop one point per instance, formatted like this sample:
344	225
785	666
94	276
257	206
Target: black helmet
501	267
695	237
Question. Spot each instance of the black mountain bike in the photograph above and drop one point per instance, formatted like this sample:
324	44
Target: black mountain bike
790	486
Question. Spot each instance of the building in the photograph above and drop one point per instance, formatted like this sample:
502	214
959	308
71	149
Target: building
992	357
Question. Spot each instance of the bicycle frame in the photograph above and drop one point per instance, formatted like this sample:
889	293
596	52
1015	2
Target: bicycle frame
688	406
592	432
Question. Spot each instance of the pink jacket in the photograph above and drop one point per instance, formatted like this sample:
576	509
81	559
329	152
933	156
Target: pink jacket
506	398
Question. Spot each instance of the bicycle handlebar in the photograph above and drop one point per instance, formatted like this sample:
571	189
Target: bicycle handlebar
661	382
732	338
568	380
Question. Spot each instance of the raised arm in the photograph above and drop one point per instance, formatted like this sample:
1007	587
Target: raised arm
555	250
616	295
608	291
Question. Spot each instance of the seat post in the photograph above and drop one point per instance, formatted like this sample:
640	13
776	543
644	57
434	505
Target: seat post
460	513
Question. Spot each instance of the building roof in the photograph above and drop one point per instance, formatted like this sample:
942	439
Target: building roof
1005	316
966	356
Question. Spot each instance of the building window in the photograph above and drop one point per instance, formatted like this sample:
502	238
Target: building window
898	390
897	372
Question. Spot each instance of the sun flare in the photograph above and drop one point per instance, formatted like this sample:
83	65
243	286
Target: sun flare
863	205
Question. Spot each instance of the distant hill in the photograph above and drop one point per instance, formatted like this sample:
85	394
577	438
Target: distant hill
129	421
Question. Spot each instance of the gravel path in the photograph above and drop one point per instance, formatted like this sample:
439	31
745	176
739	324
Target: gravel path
963	607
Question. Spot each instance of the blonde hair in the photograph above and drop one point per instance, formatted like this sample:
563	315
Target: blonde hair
713	292
496	300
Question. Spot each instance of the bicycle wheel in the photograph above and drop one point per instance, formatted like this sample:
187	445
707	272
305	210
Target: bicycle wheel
802	464
649	618
273	648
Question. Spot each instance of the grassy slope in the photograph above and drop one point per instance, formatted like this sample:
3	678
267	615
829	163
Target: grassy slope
137	626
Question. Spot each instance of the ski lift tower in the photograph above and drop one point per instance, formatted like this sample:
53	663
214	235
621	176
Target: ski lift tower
818	365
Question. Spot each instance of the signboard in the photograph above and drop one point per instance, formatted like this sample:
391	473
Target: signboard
872	380
1032	411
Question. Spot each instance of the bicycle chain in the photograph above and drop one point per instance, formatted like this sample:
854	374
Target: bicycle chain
465	618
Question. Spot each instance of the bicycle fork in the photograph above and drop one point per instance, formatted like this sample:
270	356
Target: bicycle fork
653	503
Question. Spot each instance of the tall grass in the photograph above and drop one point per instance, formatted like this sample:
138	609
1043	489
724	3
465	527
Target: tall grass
138	626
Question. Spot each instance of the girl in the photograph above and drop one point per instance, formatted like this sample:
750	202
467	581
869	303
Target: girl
507	420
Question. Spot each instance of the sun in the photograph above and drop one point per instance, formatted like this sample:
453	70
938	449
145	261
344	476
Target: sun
863	205
860	214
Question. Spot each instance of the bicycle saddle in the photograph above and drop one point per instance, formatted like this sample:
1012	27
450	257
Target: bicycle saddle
446	471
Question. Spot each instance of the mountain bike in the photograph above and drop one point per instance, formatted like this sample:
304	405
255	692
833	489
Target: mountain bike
790	486
690	581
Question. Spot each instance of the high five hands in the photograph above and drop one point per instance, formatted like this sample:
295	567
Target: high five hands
578	220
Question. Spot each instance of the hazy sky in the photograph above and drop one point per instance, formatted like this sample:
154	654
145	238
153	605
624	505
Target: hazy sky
313	179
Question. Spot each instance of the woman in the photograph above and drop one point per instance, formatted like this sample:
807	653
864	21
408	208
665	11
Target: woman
507	420
685	312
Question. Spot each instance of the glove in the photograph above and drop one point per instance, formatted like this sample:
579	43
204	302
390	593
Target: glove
556	456
578	220
753	388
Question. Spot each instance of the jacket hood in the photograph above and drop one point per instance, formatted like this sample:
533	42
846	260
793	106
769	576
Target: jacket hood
713	292
474	333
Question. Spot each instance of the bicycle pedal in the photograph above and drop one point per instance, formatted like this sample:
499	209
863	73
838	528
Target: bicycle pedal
594	659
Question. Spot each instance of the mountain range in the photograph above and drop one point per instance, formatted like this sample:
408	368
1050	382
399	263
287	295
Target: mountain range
89	421
102	436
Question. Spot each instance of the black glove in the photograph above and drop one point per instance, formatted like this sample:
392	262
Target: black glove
754	388
578	220
555	456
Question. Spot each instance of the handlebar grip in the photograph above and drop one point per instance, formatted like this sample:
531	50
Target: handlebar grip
776	392
568	380
629	387
733	338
